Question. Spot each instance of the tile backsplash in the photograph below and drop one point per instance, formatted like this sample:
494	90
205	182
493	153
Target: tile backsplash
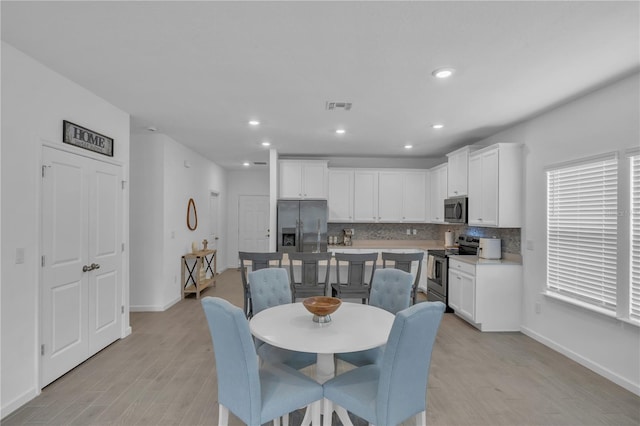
426	231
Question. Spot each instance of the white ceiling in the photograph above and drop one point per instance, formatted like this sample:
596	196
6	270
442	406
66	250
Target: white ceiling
198	71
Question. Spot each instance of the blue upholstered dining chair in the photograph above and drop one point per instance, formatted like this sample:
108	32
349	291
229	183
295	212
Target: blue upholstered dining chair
390	290
254	394
257	261
395	389
270	287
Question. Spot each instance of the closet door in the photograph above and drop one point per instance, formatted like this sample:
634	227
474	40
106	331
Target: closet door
81	267
105	250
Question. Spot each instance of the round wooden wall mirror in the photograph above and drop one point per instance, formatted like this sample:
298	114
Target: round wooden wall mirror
192	215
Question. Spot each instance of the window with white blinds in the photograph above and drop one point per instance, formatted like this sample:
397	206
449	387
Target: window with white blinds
634	309
582	205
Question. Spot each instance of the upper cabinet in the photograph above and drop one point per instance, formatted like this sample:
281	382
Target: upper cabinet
392	196
303	179
340	200
438	186
495	186
365	192
457	174
415	198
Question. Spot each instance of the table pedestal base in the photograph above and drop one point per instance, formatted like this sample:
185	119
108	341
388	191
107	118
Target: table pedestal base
325	370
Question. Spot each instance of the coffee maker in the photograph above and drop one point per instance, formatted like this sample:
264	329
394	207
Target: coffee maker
348	233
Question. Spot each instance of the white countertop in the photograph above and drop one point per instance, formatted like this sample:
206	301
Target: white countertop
475	260
413	245
392	244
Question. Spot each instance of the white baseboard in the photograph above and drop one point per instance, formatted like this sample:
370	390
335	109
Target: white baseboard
18	402
153	308
173	302
604	372
145	308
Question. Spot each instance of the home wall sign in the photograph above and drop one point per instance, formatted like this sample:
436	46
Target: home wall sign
87	139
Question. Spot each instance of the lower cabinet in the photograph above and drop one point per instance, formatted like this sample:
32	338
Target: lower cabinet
462	288
487	294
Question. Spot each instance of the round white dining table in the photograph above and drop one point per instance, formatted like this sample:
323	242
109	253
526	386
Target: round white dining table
353	327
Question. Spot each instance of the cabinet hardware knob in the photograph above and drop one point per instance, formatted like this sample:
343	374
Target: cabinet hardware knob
95	266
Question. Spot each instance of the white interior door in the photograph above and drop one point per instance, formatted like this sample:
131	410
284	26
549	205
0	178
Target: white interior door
65	219
253	223
81	227
214	220
105	251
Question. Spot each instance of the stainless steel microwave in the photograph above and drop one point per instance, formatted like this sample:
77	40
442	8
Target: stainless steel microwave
455	210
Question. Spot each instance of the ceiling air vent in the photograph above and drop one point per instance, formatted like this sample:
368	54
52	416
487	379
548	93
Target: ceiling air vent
330	106
259	163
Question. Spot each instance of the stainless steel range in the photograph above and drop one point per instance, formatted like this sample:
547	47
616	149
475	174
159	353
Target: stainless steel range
438	268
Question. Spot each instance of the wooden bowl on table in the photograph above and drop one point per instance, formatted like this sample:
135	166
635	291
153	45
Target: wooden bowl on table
321	307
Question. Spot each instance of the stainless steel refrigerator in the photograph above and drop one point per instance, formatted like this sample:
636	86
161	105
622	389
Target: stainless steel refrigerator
302	226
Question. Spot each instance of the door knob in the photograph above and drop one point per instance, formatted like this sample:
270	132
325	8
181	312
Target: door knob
86	268
95	266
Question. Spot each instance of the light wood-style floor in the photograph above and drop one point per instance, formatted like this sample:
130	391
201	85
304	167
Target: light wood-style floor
164	374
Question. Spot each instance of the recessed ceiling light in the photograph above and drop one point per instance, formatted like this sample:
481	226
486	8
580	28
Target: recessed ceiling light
246	164
152	129
266	143
341	131
254	122
443	72
408	146
437	126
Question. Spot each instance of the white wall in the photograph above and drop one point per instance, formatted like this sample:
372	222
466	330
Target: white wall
241	182
35	101
161	186
147	222
603	121
182	183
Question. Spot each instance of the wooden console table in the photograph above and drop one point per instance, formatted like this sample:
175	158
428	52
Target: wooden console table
192	282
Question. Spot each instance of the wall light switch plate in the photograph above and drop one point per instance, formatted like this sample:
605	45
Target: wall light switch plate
529	244
19	255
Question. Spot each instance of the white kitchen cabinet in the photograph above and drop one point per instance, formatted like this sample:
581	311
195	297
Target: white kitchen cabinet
414	200
495	186
462	288
303	179
365	196
340	199
390	196
457	171
487	294
438	184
